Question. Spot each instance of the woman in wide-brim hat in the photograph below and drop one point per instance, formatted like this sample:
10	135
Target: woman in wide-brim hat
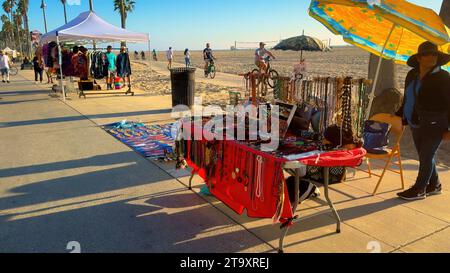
426	109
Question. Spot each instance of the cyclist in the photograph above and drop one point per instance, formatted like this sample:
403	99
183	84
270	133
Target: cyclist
260	57
208	57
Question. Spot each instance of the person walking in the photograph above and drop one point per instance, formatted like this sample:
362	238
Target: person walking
112	59
38	66
169	55
426	109
187	57
155	57
5	65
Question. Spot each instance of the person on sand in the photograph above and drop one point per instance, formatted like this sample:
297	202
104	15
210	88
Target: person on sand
426	109
187	57
155	57
169	55
261	55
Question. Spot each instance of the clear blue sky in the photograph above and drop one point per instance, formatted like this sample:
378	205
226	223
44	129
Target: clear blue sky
192	23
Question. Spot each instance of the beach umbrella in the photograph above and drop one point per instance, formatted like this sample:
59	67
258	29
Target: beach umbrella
391	29
301	43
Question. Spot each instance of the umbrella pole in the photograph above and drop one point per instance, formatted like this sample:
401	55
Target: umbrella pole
377	74
60	67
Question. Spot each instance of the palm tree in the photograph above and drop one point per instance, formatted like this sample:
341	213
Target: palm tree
18	22
22	7
64	2
8	6
124	7
6	29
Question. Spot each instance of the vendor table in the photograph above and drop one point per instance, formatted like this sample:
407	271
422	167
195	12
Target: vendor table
240	196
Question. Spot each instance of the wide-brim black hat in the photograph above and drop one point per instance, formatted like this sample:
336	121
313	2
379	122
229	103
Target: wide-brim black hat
427	48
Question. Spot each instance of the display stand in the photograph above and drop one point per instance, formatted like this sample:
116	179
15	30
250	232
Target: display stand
84	93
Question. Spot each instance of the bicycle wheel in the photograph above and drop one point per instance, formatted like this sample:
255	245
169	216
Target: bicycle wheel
212	72
273	74
13	71
258	79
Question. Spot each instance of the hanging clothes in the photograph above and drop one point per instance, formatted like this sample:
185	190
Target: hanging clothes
67	67
123	65
99	65
52	55
45	50
80	63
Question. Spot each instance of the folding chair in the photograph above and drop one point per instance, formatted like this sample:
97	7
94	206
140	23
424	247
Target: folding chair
397	130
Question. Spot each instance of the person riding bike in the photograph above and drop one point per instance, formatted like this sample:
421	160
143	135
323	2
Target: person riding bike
261	55
208	57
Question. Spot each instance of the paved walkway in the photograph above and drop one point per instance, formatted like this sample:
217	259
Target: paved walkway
62	179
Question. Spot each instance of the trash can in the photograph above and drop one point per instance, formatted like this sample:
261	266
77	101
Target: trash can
183	86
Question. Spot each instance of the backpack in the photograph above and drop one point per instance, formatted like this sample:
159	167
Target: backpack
307	190
376	136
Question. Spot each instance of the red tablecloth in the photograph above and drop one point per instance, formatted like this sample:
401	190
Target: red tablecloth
239	197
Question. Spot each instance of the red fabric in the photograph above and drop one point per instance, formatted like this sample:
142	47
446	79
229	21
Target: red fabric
347	158
234	194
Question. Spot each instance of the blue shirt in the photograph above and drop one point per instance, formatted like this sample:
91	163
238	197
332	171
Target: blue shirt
111	61
411	101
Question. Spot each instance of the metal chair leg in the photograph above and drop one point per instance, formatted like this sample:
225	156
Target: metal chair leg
401	169
382	175
369	167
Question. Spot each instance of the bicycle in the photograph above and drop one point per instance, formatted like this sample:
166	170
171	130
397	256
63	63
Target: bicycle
13	71
269	75
211	70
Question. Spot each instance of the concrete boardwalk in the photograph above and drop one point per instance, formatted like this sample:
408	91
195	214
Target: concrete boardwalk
62	179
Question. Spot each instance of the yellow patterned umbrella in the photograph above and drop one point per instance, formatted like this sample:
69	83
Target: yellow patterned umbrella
392	29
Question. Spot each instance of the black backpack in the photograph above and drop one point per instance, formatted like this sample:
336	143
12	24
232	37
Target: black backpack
307	190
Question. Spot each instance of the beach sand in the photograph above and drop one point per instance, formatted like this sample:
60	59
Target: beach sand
342	61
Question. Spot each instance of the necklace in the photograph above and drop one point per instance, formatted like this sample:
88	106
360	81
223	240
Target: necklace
259	178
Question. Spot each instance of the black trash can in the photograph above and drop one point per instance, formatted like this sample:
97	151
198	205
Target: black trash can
183	86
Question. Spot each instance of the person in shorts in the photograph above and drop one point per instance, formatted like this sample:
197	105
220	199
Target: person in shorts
5	64
169	55
260	56
112	59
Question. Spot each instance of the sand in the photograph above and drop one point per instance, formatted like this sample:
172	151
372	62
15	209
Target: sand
343	61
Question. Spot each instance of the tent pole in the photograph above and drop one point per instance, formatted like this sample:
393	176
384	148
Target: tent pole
60	67
377	74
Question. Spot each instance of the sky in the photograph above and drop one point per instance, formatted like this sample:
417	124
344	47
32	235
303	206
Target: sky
191	23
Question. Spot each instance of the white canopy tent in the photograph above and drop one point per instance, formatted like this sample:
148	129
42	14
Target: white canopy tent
88	27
